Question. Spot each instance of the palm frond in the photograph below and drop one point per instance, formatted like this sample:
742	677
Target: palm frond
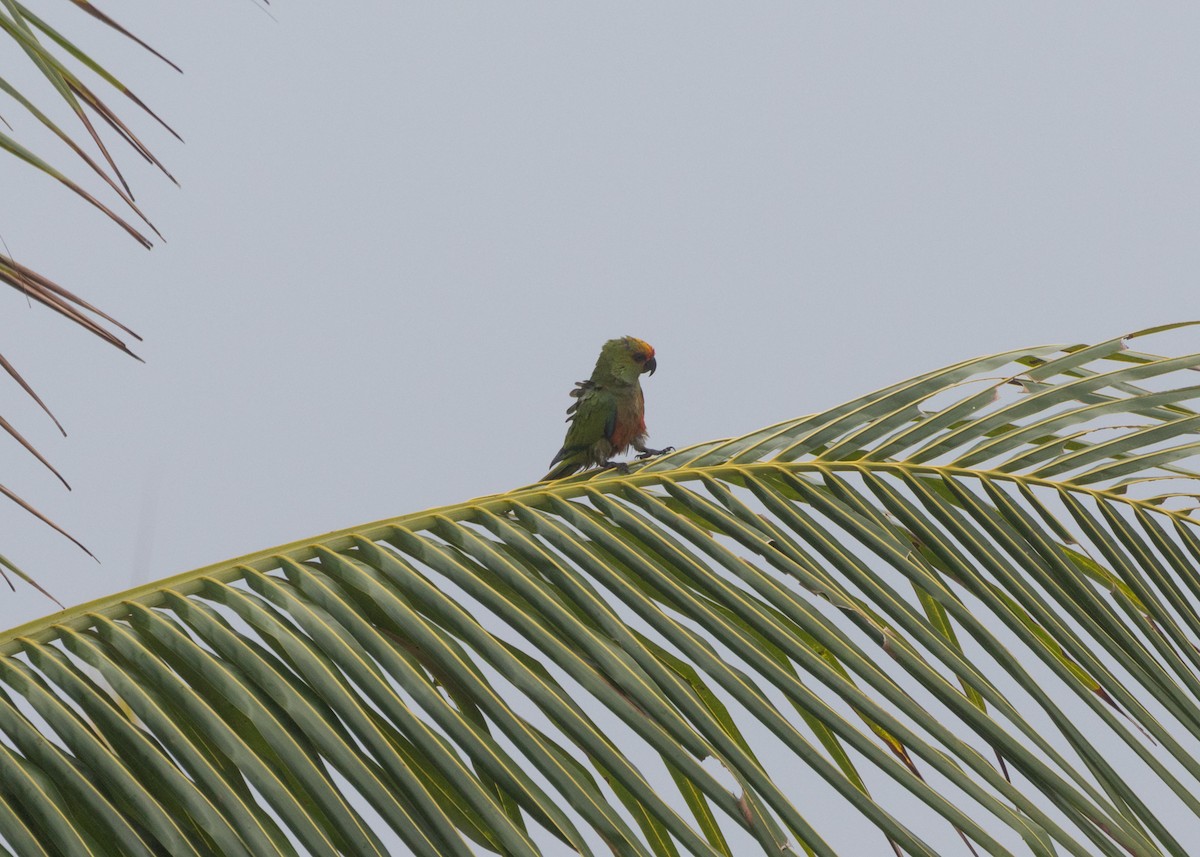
51	55
963	609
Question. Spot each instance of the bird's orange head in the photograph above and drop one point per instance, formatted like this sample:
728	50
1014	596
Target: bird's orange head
642	353
622	360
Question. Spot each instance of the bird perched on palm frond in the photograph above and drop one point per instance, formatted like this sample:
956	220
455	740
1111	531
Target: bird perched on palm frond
609	414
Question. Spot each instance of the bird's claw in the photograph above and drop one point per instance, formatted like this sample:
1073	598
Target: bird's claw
619	466
651	453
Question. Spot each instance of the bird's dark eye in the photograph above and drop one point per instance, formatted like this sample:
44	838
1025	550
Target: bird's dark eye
639	357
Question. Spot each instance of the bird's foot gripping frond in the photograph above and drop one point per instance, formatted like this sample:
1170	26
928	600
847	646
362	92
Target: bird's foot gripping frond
619	466
652	453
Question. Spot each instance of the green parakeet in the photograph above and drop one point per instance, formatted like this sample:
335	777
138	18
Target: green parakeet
609	415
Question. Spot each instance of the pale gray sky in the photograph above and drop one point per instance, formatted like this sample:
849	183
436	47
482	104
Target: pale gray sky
404	230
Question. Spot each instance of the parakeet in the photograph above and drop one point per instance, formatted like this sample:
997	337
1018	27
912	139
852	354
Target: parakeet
608	417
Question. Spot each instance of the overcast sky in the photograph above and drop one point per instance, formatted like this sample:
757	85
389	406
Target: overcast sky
404	230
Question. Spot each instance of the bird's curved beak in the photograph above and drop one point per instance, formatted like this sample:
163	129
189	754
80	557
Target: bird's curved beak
649	366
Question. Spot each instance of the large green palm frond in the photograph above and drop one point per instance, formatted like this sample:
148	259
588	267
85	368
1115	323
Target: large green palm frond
962	606
52	60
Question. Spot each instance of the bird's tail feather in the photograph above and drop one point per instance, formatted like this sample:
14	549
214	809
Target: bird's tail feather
562	469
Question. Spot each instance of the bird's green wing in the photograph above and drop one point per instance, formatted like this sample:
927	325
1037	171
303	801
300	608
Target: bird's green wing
592	418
